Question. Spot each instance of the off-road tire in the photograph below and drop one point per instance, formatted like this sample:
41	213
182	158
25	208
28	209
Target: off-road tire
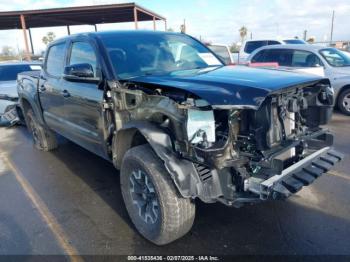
345	93
43	138
176	213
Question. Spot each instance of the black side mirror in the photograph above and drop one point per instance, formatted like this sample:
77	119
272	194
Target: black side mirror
79	72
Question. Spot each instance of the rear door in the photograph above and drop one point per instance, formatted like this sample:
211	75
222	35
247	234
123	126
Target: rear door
50	86
84	101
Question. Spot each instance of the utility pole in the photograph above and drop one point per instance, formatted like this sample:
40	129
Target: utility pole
332	28
305	35
183	27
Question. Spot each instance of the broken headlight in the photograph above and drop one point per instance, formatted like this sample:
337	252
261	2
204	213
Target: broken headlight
200	126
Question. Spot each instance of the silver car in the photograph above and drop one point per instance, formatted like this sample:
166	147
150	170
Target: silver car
336	65
8	89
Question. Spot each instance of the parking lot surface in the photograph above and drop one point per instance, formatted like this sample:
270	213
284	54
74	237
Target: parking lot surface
68	202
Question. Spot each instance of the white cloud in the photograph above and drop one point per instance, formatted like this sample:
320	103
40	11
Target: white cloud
274	18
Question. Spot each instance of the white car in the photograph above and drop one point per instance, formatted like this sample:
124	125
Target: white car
335	64
250	46
8	89
222	51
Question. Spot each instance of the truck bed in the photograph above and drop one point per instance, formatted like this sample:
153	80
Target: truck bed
28	81
29	74
27	85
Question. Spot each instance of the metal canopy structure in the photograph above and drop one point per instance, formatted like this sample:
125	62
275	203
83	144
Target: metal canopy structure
80	15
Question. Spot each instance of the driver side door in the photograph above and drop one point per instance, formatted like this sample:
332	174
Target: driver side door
83	101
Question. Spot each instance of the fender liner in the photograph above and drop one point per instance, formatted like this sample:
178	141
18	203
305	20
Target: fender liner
33	101
182	171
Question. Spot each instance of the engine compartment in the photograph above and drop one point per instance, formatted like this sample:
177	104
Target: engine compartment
228	145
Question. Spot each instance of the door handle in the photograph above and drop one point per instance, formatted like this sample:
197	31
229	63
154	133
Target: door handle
42	88
65	93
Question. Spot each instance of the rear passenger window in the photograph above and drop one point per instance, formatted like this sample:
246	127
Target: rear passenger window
281	56
259	57
83	53
253	45
272	42
55	60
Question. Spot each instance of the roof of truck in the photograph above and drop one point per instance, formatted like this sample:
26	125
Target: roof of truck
116	33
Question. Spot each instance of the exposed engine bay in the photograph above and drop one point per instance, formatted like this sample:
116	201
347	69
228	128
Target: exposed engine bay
232	149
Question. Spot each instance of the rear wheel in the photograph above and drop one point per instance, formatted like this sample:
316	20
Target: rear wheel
44	139
155	207
344	102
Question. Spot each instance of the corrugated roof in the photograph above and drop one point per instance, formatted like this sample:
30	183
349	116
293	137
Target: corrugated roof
81	15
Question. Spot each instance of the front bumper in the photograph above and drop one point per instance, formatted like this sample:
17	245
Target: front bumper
293	178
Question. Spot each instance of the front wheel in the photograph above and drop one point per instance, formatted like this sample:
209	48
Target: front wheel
344	102
155	207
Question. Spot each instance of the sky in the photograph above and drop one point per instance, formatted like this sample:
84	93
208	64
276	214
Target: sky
215	21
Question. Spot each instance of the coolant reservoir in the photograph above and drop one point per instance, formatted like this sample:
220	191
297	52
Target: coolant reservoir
199	122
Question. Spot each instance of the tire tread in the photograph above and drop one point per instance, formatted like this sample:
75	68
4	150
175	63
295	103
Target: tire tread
178	212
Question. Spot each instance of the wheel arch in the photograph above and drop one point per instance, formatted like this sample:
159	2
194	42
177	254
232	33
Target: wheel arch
137	133
27	103
345	87
182	171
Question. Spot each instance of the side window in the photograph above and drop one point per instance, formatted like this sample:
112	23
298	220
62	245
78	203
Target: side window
305	59
272	42
55	60
259	57
281	56
253	45
83	53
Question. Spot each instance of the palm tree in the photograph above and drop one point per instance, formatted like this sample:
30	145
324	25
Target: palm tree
48	38
243	33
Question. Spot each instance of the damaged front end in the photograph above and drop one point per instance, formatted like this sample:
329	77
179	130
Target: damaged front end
233	154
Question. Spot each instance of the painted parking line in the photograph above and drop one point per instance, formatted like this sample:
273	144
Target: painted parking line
43	210
338	174
2	167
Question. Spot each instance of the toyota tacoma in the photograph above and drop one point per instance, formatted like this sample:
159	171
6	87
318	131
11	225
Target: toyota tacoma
179	124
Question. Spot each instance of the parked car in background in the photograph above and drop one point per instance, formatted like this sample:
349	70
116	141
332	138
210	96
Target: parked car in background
8	89
180	126
222	51
335	63
250	46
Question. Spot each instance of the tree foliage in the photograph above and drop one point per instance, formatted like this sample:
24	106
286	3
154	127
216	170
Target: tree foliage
6	51
243	31
48	38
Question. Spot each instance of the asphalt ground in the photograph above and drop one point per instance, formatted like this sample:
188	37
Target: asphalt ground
68	202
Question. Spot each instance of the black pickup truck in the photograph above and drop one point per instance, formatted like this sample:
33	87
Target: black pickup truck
179	124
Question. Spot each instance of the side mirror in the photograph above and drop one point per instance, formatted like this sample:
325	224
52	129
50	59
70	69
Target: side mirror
80	72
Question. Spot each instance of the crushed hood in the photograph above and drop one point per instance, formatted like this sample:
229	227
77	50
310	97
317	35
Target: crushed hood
239	86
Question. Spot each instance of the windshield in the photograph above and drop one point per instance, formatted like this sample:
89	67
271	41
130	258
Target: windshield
335	57
135	55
